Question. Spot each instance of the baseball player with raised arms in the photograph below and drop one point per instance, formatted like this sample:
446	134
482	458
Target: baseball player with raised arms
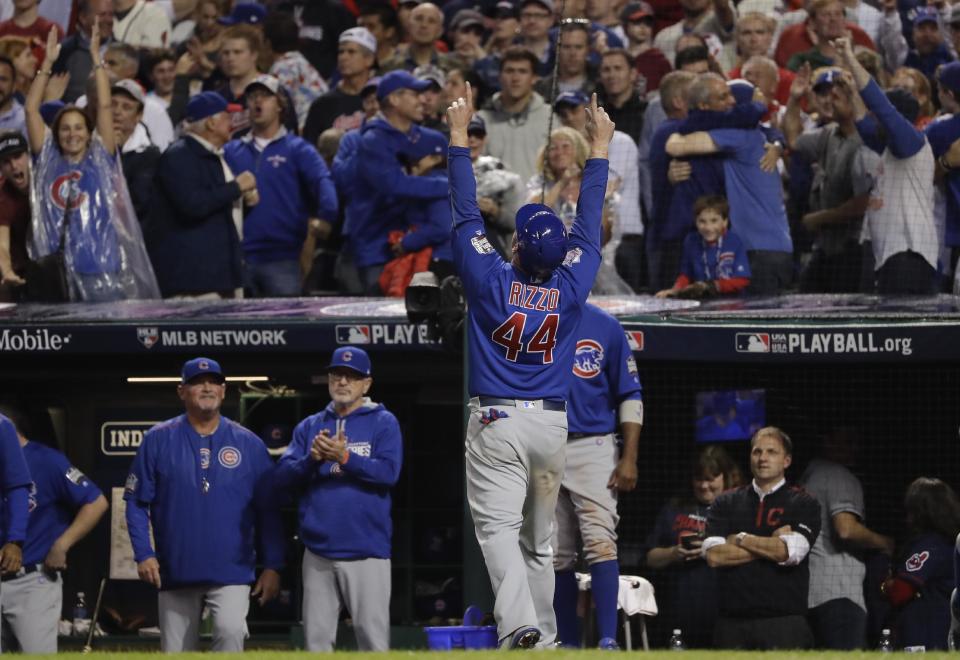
522	331
605	386
64	507
205	483
343	462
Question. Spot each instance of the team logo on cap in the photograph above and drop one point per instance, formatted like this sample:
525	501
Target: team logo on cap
229	457
588	359
204	365
204	458
917	560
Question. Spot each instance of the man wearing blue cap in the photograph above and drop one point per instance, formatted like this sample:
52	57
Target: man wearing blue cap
205	484
382	182
523	318
929	48
295	188
343	463
194	236
841	188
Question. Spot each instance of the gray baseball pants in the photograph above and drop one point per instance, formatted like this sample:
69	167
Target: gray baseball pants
586	507
363	585
514	466
180	611
31	612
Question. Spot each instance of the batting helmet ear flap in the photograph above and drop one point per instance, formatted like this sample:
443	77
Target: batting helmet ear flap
541	240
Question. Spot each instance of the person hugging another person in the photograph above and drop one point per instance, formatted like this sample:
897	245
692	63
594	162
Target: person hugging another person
714	259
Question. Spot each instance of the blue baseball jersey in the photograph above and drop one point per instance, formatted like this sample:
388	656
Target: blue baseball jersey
15	483
722	260
345	509
203	535
756	197
518	326
941	133
927	564
604	374
58	491
77	191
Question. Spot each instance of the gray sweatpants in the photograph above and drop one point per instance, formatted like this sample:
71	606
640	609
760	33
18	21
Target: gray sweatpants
363	585
586	507
180	611
514	466
31	612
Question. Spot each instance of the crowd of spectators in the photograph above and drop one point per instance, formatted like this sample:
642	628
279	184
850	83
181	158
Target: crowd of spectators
827	126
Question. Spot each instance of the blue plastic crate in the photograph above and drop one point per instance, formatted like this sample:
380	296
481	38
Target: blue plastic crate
468	636
445	638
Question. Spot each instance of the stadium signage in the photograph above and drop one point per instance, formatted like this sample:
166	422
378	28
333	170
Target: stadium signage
123	438
220	338
400	334
32	340
835	343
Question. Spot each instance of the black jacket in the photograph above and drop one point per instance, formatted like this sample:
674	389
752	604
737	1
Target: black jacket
191	236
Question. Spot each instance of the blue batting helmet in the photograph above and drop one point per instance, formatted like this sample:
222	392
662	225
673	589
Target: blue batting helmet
541	240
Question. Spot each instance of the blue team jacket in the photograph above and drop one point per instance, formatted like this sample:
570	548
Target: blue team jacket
204	537
381	187
294	185
345	509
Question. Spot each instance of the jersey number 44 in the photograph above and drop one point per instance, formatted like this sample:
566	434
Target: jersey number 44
509	334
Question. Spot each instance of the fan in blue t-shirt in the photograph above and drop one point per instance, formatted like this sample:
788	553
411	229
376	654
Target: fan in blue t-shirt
714	260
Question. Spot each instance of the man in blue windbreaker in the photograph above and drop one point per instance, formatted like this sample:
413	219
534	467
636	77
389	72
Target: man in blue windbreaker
342	463
293	185
205	483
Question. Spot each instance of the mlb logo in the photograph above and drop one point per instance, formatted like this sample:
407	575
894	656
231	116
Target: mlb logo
353	334
753	342
147	336
634	339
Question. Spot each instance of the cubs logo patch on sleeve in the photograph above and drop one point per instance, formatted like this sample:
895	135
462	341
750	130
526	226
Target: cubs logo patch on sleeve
917	560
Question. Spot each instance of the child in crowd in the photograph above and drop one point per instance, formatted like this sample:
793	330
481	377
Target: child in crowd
714	260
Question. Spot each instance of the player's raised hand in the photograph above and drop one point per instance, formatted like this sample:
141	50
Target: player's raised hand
458	118
599	129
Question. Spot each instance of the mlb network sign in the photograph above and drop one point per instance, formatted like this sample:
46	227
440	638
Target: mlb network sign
123	438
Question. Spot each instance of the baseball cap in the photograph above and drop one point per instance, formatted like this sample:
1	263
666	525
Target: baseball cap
635	11
431	73
207	104
905	103
351	357
465	18
400	79
546	3
925	16
248	12
371	86
264	80
505	9
50	109
360	36
575	97
130	87
741	89
198	367
12	143
429	143
828	77
948	76
477	125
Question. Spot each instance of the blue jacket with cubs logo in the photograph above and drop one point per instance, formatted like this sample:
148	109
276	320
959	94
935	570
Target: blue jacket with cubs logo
210	500
604	374
294	185
345	508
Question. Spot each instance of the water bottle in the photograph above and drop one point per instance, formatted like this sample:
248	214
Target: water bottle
886	644
676	641
80	618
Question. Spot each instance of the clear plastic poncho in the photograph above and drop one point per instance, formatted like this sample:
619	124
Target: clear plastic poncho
105	255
